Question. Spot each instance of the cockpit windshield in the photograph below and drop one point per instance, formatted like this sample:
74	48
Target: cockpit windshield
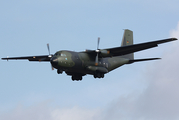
60	54
57	54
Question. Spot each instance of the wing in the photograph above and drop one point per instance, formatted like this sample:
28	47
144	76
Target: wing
123	50
31	58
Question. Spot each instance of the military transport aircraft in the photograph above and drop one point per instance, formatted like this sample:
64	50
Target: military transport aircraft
95	62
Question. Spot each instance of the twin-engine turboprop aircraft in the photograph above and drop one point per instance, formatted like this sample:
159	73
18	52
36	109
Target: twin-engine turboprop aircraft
95	62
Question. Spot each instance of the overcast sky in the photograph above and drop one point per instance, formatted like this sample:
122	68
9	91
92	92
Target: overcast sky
139	91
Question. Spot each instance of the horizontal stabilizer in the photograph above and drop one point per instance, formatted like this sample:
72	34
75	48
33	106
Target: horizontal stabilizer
140	60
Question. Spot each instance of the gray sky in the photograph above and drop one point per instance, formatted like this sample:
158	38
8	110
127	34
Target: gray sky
140	91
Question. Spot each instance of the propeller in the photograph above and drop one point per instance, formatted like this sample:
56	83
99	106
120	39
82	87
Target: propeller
49	50
49	55
97	52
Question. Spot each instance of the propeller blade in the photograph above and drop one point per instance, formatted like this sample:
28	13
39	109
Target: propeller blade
49	55
52	67
48	48
96	61
97	52
98	43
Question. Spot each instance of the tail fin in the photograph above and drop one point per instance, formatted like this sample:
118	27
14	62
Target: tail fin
128	40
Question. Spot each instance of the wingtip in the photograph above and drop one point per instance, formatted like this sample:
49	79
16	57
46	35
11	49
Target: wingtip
5	58
174	39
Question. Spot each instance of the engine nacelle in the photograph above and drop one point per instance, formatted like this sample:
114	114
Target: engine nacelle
105	52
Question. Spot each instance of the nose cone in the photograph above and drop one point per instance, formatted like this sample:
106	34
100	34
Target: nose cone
54	61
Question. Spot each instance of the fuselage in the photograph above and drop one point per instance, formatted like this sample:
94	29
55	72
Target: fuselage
83	63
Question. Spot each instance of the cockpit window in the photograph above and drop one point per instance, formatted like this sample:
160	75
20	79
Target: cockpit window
60	54
57	54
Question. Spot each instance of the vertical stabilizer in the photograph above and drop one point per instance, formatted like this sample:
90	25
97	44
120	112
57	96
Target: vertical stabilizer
128	40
